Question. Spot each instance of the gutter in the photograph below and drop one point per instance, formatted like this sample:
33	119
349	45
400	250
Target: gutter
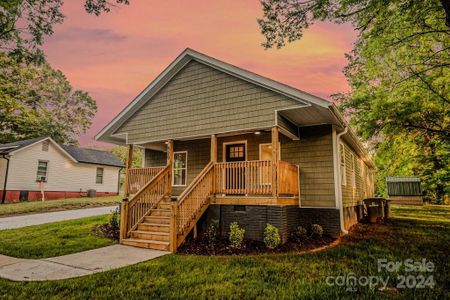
341	204
6	179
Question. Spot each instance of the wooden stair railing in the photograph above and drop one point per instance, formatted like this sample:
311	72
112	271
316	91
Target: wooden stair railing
192	203
138	177
135	210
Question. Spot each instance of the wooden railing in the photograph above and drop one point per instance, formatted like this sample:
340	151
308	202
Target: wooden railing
193	201
145	199
244	178
287	178
139	177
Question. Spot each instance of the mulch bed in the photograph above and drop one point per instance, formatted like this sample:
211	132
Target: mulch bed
201	246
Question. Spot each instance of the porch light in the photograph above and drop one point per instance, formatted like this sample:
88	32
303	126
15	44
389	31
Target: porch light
257	132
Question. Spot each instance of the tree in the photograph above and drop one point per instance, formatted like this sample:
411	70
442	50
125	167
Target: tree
398	72
37	100
25	23
121	153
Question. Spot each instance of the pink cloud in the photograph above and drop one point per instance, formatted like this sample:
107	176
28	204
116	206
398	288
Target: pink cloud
116	55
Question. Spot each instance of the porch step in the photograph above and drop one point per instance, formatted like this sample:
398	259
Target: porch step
150	235
157	219
150	244
162	212
153	227
165	205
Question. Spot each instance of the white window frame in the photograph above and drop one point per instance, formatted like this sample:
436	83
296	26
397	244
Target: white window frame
342	165
353	169
96	175
173	168
45	146
46	169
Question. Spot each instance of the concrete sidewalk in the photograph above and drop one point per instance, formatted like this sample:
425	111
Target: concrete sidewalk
49	217
74	265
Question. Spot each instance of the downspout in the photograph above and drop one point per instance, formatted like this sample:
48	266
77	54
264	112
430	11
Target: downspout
6	179
340	201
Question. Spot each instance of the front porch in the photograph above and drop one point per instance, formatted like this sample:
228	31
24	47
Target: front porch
164	204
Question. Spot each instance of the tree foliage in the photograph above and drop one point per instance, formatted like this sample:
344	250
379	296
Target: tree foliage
121	153
25	23
36	100
399	76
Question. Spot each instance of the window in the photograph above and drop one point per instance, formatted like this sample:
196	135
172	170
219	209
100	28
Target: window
353	167
45	145
342	162
99	176
179	168
237	151
42	171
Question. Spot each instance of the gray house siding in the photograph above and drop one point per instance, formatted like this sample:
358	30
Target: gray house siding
314	154
201	100
253	142
155	158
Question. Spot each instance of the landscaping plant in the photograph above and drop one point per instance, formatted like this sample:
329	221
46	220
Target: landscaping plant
300	234
212	232
271	236
236	235
316	231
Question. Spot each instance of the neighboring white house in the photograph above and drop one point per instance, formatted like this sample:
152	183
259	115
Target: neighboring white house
61	171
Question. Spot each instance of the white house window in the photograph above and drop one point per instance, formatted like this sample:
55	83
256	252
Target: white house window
42	171
99	176
353	167
45	145
179	168
342	161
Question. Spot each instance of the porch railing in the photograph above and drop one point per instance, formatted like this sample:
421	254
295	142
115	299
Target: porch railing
139	177
255	178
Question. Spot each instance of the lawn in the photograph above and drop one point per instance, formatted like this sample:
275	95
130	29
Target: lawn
414	233
55	205
53	239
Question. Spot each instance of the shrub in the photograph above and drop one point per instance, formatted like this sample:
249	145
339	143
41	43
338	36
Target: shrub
299	234
212	232
114	220
316	230
271	236
236	235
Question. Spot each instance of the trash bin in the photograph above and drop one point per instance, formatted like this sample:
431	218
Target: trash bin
375	209
91	193
387	209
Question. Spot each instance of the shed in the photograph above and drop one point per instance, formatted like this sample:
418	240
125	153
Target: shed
404	190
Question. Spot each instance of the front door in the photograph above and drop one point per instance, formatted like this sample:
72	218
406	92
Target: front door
235	174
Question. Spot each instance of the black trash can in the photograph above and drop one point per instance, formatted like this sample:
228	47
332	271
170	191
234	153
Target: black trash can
375	209
91	193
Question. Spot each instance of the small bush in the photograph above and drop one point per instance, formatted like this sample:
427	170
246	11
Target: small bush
300	234
236	235
111	229
212	232
316	230
271	236
114	222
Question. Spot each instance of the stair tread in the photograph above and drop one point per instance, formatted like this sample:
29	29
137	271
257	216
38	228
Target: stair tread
158	217
146	241
151	232
154	224
160	209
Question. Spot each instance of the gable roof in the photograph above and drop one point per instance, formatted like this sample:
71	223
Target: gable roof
107	133
92	156
76	154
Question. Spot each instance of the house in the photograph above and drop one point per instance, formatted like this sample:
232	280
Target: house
226	144
30	167
404	190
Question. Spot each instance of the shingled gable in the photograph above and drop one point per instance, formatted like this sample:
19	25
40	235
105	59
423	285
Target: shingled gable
113	133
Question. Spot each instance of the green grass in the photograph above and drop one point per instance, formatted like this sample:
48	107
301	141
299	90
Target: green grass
55	205
53	239
415	233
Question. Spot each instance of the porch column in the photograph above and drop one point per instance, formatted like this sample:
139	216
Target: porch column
169	163
213	148
275	156
128	165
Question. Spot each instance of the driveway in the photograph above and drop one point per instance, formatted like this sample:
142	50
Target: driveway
49	217
74	265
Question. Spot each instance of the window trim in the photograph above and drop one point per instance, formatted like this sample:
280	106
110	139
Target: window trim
173	169
353	169
224	149
342	164
46	169
45	144
96	175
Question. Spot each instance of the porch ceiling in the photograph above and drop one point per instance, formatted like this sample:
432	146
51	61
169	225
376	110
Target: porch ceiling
310	115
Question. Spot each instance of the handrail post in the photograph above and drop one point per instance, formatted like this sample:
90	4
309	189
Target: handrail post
129	163
169	163
274	161
173	227
123	219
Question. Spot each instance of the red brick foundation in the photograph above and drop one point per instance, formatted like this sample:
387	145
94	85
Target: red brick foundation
14	196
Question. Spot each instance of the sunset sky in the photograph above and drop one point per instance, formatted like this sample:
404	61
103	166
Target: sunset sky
116	55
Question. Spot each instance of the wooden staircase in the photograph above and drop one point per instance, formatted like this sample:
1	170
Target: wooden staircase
153	231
